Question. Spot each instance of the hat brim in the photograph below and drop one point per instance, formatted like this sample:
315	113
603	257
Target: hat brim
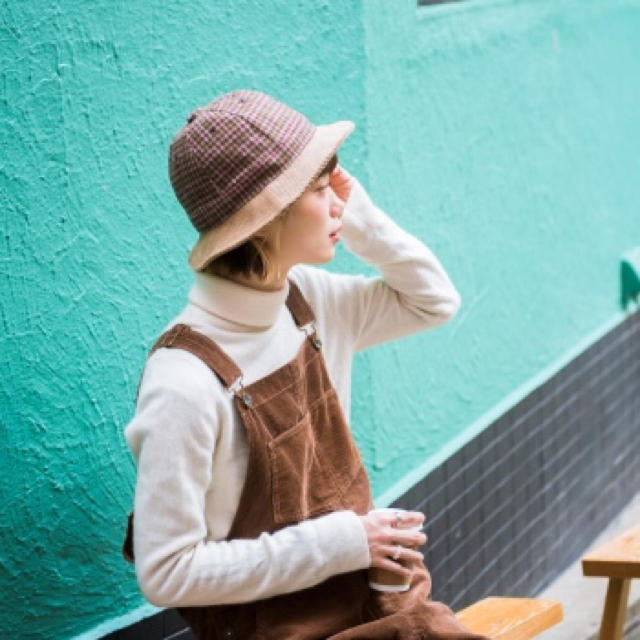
275	197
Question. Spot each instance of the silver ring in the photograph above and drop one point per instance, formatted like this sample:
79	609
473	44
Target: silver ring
398	519
397	552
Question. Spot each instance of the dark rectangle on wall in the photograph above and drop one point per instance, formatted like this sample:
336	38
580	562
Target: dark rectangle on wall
422	3
519	503
514	507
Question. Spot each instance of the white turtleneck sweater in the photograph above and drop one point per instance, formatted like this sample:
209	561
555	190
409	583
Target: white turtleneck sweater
190	445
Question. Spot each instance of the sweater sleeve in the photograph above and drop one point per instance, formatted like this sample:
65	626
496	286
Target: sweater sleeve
414	291
173	437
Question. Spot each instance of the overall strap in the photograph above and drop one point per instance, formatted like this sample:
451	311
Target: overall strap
299	307
182	336
302	314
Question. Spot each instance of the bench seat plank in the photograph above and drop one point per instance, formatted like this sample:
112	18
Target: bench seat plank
618	558
511	618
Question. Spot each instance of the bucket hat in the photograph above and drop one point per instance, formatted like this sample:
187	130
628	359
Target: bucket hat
239	161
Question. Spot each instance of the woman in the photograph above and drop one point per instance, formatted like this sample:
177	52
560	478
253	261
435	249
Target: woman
252	505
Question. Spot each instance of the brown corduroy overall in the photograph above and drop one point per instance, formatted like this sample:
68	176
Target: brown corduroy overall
303	462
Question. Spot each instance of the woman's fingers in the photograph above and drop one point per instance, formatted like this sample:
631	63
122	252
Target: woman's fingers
409	519
402	519
396	552
340	171
390	531
340	182
405	537
388	538
391	556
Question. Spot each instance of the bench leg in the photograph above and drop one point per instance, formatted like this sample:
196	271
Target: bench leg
615	609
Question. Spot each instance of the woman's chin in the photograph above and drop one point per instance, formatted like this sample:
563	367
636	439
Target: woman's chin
327	256
330	256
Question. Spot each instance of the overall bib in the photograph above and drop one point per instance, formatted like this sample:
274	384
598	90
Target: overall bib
303	462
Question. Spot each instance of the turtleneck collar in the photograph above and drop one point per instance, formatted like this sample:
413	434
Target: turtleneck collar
237	303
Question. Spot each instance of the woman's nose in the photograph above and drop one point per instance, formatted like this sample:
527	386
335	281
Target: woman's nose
337	208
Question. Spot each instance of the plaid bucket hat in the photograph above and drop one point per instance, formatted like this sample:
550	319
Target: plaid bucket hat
242	159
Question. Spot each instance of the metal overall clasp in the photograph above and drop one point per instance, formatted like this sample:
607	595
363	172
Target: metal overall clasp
236	387
310	331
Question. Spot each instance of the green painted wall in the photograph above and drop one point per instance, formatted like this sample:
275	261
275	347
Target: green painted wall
502	133
506	135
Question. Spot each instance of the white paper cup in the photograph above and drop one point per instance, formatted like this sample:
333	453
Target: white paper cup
383	579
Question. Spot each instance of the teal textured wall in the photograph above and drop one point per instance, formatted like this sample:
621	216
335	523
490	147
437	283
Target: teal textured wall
504	134
94	249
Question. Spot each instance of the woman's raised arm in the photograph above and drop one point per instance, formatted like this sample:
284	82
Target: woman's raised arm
413	292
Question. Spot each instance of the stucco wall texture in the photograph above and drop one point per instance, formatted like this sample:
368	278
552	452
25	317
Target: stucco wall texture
504	134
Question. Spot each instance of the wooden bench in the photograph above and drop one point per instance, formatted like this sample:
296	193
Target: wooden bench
618	560
511	618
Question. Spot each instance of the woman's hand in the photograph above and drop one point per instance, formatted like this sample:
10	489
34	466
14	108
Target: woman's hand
341	182
386	540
